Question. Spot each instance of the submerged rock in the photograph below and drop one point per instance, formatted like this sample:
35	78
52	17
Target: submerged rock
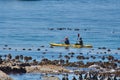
50	78
118	48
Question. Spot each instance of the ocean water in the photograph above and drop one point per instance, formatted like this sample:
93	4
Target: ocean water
27	24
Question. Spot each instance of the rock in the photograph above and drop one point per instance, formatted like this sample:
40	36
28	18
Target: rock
95	66
118	48
38	49
6	45
76	29
46	69
108	50
4	76
50	78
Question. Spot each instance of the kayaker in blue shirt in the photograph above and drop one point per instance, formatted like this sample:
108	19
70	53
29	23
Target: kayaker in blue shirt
67	41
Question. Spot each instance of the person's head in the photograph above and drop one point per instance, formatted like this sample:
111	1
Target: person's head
80	38
66	37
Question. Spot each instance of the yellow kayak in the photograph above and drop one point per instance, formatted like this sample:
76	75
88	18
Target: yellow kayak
71	45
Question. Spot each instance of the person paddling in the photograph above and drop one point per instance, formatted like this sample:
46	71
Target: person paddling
79	40
66	40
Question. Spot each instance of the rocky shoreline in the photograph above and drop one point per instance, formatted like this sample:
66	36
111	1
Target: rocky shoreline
4	76
26	64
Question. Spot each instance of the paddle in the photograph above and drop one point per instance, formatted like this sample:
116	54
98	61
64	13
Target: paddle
78	36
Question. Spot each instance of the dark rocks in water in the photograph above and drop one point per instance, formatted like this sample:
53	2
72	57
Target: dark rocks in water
80	57
118	48
29	49
18	70
110	57
108	50
46	50
71	54
8	69
6	45
42	46
51	28
74	78
101	47
15	49
61	28
69	29
76	29
85	29
38	49
24	64
81	53
50	78
9	48
4	48
23	49
103	57
93	57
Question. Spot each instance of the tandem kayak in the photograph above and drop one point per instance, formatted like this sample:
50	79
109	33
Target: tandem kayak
71	45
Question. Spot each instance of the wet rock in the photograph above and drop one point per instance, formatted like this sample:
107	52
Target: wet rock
80	53
4	76
38	49
29	49
4	48
61	28
8	69
9	48
15	49
69	29
46	50
76	29
6	45
99	48
85	29
44	53
118	48
42	46
108	50
80	57
103	47
95	66
50	78
23	49
110	57
24	64
18	70
51	28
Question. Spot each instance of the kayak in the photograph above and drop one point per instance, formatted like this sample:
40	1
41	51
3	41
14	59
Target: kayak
71	45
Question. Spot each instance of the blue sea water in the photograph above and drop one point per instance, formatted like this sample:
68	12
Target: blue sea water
27	24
